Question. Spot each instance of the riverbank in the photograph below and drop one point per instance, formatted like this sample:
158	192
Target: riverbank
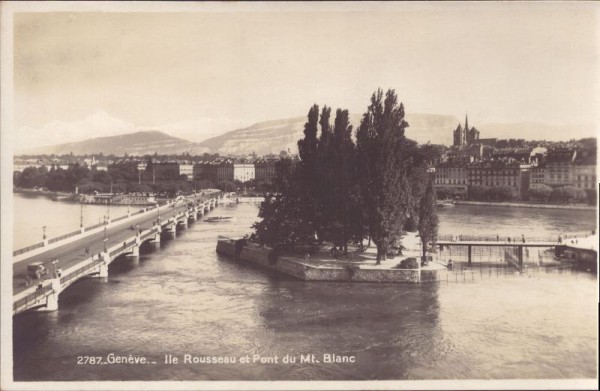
55	195
526	205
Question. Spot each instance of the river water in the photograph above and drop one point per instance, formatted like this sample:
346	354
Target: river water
185	299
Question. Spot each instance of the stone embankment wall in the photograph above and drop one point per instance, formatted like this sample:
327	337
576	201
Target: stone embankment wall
296	268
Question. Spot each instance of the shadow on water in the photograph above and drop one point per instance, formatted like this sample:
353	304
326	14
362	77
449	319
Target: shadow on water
272	275
388	328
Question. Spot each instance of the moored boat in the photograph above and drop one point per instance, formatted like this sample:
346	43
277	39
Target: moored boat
218	219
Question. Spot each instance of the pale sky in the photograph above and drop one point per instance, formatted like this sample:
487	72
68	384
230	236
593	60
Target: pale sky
500	62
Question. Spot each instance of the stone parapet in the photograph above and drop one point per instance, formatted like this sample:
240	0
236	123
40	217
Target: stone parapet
263	256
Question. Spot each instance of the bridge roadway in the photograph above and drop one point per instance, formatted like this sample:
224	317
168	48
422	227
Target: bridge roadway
73	253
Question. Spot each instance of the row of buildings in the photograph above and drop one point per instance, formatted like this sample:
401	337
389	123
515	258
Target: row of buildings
476	162
243	170
216	171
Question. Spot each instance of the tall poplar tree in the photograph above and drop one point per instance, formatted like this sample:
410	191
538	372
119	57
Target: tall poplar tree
428	219
307	174
383	169
345	191
323	190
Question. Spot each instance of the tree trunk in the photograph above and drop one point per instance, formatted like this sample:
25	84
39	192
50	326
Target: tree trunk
424	244
381	253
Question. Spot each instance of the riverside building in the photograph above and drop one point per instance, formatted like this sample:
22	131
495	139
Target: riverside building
500	173
451	178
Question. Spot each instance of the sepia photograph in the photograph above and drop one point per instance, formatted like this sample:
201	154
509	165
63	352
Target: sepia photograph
299	195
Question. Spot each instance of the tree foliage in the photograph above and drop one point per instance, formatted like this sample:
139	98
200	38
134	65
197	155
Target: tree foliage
341	191
284	220
383	167
567	194
540	193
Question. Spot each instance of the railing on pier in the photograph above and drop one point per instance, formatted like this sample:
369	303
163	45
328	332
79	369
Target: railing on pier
462	273
495	238
515	239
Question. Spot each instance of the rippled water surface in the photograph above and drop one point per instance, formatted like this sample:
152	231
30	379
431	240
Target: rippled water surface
186	299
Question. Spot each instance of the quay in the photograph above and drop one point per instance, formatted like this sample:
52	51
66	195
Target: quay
312	269
91	250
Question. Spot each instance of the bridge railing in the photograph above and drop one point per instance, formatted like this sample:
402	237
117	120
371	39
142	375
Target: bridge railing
79	272
148	234
93	227
126	244
583	234
28	248
61	237
495	238
120	218
31	298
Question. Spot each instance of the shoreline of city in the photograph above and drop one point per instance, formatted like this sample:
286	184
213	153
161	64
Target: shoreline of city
526	205
64	196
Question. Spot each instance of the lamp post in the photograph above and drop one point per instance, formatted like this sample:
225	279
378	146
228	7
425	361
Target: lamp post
44	229
55	262
81	217
109	200
105	238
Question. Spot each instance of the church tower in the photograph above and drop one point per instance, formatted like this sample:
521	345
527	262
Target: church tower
459	136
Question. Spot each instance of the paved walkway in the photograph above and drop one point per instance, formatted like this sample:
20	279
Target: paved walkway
368	258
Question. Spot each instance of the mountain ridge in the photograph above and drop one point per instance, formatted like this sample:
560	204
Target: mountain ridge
274	136
141	142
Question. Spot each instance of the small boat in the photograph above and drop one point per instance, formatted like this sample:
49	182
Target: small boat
218	219
444	204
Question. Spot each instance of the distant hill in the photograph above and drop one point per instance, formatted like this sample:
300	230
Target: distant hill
138	143
283	135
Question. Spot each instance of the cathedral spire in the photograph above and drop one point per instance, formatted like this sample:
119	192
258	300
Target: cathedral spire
466	122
